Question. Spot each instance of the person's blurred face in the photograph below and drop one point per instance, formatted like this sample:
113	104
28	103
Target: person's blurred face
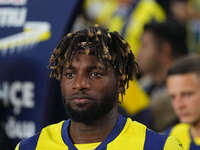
180	11
184	91
89	88
148	55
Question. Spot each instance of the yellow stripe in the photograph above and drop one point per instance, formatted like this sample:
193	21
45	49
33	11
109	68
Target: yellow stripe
51	139
132	137
172	144
87	146
181	132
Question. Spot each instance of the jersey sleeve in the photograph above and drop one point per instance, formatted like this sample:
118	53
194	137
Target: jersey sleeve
172	143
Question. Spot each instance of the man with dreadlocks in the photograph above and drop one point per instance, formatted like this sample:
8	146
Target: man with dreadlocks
94	67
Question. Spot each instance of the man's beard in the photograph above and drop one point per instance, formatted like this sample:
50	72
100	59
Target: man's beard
94	112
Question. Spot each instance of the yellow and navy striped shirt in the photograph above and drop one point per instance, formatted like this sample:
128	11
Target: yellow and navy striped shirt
182	133
126	135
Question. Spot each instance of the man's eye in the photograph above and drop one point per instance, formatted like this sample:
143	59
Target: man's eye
188	94
95	75
172	97
69	75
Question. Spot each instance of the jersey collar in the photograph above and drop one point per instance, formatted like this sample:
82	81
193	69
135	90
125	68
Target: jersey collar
113	134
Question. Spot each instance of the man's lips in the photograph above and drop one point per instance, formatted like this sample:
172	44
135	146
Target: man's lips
81	99
183	114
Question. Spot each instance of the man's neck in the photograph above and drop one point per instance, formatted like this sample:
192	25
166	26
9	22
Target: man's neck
97	131
195	130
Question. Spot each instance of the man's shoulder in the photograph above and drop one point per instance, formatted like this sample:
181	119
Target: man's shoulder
161	141
53	127
180	128
31	142
181	132
137	126
154	140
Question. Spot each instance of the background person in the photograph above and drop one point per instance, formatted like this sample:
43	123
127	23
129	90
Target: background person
183	84
161	46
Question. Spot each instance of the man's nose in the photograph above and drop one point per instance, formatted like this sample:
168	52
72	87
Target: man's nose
81	82
178	102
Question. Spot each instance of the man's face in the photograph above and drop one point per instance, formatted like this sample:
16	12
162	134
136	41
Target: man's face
89	88
180	10
148	55
185	94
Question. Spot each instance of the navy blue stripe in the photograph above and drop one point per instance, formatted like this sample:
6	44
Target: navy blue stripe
154	141
114	133
65	136
103	146
193	146
167	132
30	143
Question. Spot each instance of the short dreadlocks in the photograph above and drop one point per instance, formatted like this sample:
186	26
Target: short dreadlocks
108	47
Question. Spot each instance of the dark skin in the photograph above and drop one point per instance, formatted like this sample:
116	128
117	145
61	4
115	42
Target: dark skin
84	82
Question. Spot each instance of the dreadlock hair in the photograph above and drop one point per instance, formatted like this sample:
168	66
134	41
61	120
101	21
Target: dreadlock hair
109	47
